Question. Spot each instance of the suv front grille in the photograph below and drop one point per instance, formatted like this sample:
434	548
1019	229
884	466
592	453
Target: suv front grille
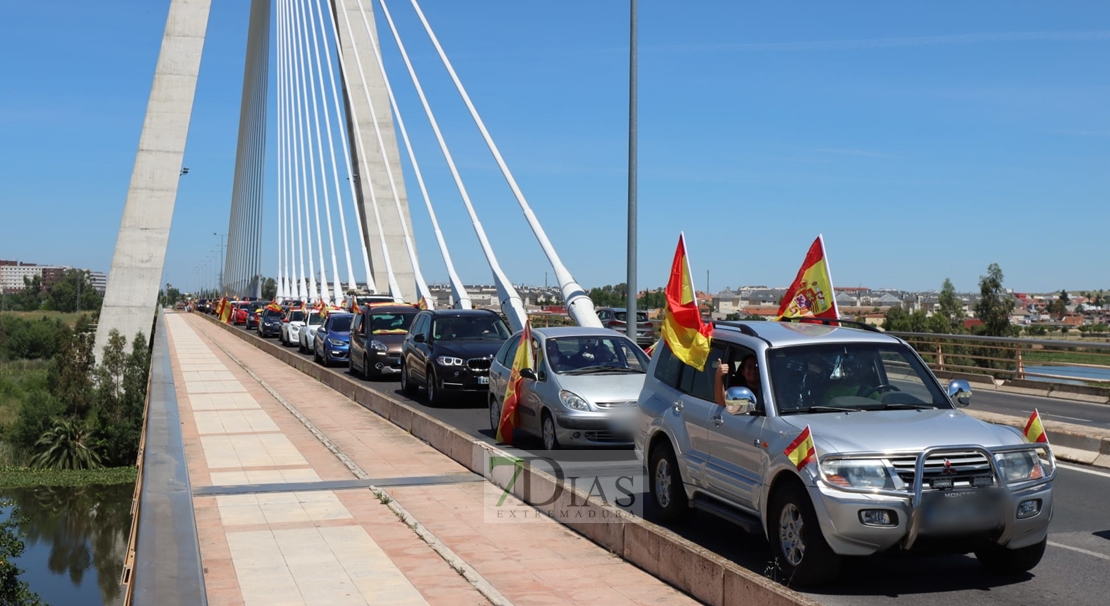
478	363
959	467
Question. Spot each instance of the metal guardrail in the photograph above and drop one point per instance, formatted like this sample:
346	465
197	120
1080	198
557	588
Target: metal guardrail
1010	358
163	566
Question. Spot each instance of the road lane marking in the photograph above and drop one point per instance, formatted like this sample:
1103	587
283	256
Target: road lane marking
1095	554
1071	417
1083	470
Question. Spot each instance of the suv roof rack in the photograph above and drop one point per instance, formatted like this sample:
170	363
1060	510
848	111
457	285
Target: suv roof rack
831	322
744	328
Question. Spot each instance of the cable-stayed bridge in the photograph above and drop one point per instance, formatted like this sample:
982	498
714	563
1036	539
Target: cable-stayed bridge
343	215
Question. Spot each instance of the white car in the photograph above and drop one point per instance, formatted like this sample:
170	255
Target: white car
291	325
306	333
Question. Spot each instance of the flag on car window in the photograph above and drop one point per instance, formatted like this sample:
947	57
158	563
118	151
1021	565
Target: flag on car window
811	294
683	330
801	450
273	306
1034	431
510	418
225	314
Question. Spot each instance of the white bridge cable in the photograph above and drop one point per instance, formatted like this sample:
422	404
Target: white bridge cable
299	177
260	66
458	289
331	143
579	305
308	169
510	301
285	91
315	144
421	287
394	288
351	181
285	286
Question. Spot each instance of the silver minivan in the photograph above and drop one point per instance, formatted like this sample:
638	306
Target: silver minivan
583	390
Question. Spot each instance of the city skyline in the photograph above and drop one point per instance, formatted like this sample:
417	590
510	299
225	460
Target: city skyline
923	147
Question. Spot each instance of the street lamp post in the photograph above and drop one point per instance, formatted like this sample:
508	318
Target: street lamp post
631	325
220	284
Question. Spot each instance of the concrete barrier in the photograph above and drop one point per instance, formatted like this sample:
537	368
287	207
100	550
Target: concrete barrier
686	566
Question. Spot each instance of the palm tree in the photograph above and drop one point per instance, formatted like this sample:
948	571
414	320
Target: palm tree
65	446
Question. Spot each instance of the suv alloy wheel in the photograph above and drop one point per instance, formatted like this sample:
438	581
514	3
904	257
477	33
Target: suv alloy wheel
407	386
431	385
667	492
797	543
550	438
494	413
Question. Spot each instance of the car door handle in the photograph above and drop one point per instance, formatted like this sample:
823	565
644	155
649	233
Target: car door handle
718	421
678	407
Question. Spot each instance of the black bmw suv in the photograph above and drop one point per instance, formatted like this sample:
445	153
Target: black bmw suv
449	350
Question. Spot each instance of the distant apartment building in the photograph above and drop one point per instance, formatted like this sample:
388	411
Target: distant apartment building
12	274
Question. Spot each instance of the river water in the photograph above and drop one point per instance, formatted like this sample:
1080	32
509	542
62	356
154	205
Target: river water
75	541
1080	373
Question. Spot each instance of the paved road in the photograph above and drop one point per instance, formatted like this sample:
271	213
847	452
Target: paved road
1052	409
1074	571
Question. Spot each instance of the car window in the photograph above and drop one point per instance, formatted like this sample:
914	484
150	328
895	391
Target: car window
510	352
296	316
314	319
503	353
458	328
641	316
591	353
391	323
668	369
340	323
419	326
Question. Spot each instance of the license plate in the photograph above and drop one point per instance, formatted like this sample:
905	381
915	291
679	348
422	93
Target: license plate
483	380
960	511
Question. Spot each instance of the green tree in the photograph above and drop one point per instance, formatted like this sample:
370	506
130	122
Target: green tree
269	289
13	591
995	304
66	445
30	298
1060	305
72	369
120	387
950	308
73	291
899	320
653	299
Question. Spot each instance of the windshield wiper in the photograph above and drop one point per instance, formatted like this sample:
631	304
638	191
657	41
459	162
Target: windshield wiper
908	406
592	369
821	409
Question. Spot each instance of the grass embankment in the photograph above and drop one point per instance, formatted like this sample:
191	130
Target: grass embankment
18	378
69	318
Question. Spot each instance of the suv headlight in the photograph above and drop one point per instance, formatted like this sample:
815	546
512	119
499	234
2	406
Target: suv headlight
378	346
857	473
336	342
573	400
449	361
1022	466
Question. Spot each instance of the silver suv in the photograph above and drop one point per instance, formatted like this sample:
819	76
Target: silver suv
896	465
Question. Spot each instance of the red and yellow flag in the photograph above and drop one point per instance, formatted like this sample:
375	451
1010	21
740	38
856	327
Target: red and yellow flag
1034	431
683	330
811	294
801	450
273	306
422	303
220	307
510	418
225	313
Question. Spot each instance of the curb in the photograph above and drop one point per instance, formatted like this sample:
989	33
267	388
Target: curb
684	565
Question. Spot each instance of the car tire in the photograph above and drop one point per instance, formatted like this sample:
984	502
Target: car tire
665	485
494	413
999	560
797	543
316	355
407	386
351	367
431	385
547	432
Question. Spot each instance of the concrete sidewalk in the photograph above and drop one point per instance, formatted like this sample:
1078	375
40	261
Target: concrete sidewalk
302	497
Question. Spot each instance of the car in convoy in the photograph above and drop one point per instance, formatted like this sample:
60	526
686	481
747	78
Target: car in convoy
269	325
582	391
377	333
241	314
896	466
306	334
355	299
449	351
291	324
616	318
333	339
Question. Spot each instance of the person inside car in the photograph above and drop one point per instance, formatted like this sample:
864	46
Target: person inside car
746	376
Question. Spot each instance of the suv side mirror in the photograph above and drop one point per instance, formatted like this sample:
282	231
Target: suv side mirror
418	337
960	391
739	400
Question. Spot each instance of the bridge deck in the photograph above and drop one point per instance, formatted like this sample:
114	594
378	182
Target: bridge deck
280	467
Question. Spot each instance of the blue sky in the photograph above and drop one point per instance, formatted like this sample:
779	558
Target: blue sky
925	140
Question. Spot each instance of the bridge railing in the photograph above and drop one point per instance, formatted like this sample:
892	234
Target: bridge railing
1014	358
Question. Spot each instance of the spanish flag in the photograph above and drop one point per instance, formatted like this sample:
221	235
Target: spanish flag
811	294
273	306
422	303
801	450
683	330
225	312
220	307
1034	431
510	418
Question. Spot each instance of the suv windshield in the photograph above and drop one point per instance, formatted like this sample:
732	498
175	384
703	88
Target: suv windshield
587	355
851	376
469	327
390	324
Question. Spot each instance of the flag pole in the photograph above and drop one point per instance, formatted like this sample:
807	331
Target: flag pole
825	256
